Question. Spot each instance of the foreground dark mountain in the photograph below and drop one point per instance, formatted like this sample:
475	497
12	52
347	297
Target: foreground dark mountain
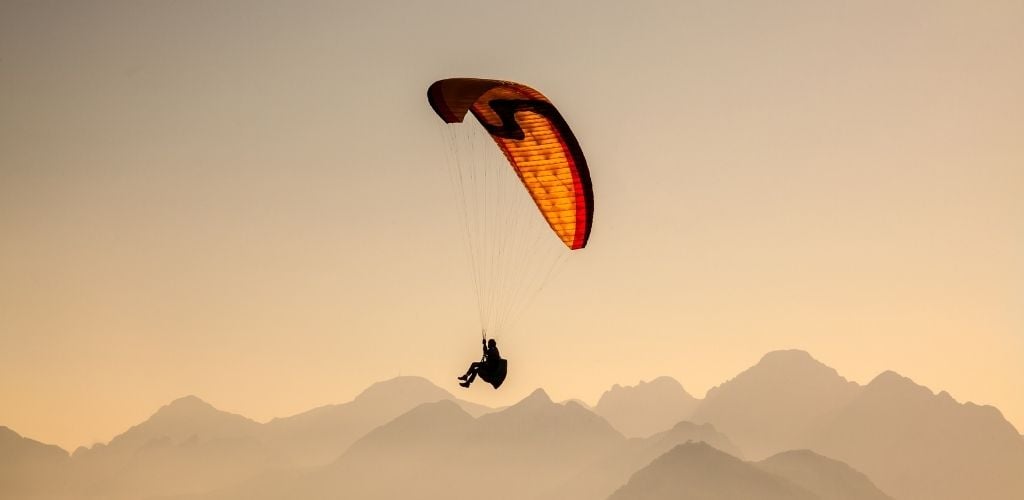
646	408
769	407
918	445
698	471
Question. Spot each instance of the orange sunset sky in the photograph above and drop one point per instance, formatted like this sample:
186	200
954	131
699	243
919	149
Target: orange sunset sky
247	201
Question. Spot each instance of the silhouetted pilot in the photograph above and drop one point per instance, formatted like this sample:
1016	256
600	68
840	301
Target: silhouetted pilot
492	368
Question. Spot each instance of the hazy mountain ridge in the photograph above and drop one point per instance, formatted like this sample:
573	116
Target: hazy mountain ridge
320	435
14	446
537	419
605	475
919	445
445	452
206	448
646	408
910	442
28	468
179	420
822	476
767	408
523	450
699	471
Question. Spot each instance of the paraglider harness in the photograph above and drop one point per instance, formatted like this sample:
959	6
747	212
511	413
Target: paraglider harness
495	370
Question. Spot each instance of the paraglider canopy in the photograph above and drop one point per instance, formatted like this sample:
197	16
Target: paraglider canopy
536	141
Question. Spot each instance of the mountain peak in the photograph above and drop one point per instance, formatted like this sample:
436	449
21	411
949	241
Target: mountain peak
785	367
432	416
12	443
427	423
184	418
821	475
663	382
184	406
890	382
537	419
190	408
787	356
890	377
699	467
538	396
768	406
698	448
401	387
666	380
897	432
539	405
646	408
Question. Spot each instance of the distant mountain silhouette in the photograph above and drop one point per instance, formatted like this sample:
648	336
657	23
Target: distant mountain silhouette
605	475
828	479
176	422
769	407
535	438
646	408
438	450
320	435
407	438
444	421
579	402
688	431
912	443
918	445
416	455
186	446
698	471
30	469
567	428
427	447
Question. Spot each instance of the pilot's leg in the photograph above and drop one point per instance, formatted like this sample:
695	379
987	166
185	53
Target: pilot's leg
473	369
471	372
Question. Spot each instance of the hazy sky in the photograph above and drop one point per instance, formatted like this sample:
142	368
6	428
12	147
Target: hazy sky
246	200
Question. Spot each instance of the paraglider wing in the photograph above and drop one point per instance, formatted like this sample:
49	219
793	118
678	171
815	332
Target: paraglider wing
537	142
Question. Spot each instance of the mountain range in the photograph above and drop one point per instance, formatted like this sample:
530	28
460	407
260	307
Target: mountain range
646	408
812	434
29	468
698	471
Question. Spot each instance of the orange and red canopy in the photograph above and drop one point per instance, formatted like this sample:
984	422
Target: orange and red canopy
537	142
